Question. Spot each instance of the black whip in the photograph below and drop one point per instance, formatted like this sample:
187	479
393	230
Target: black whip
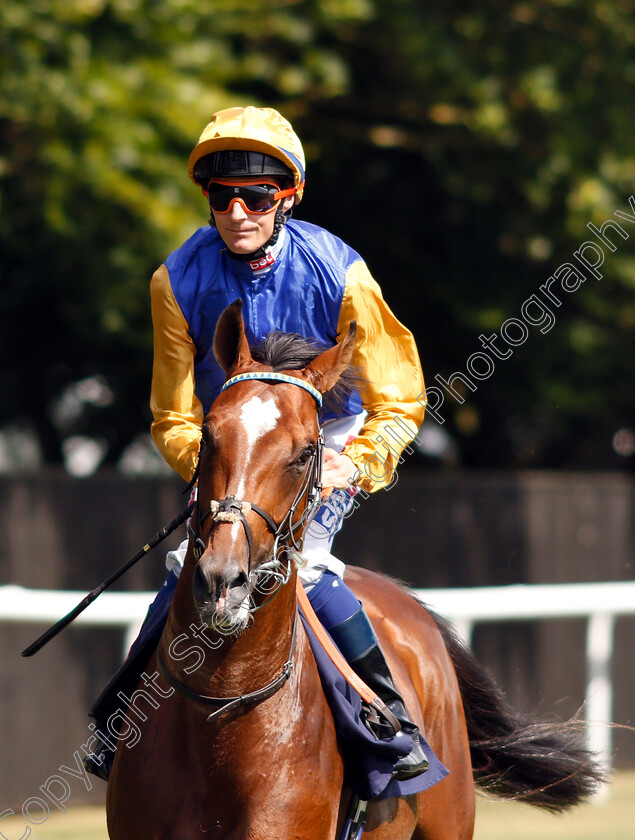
72	615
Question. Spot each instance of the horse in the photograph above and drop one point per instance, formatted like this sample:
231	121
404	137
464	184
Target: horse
233	737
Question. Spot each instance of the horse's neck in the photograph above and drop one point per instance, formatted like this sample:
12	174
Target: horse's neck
218	665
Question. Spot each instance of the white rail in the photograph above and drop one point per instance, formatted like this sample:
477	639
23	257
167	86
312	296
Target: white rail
41	606
599	603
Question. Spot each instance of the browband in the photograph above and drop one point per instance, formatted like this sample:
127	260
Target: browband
276	377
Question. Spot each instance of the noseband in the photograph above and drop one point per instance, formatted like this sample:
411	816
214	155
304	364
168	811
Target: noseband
231	509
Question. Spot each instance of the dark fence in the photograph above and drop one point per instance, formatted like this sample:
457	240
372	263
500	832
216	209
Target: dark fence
431	530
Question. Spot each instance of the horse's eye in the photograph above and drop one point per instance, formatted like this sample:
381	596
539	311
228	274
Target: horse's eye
305	455
207	436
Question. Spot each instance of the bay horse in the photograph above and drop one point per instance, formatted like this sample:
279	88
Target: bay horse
238	741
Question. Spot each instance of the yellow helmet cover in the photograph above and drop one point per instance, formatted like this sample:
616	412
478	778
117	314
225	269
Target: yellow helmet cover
254	130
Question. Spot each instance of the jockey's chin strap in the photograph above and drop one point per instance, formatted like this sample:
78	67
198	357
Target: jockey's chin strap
231	509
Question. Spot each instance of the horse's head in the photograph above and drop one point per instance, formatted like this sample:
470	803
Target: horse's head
258	469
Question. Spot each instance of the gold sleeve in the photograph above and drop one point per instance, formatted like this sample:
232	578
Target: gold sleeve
392	393
178	414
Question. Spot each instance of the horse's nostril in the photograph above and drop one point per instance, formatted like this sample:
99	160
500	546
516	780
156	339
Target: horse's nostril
210	585
237	590
200	585
240	581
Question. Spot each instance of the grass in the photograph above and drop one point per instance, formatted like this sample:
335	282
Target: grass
613	819
88	823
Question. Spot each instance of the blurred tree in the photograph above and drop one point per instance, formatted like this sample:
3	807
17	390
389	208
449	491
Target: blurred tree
101	102
474	144
461	147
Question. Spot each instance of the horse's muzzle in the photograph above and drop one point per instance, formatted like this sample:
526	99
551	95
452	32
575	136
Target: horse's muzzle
221	595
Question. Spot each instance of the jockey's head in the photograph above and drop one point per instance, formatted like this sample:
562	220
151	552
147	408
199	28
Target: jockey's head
250	165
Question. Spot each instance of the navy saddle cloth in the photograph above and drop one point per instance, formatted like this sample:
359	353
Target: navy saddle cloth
369	763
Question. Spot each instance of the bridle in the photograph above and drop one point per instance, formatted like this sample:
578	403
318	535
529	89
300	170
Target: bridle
231	509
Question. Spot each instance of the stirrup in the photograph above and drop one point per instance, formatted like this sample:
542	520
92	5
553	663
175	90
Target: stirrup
378	723
413	764
99	761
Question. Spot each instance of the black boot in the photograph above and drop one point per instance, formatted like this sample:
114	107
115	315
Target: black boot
125	680
99	762
357	641
373	669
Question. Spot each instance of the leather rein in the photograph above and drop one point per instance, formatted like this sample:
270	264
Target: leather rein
231	509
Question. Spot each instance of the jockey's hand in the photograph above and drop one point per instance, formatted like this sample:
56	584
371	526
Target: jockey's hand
337	471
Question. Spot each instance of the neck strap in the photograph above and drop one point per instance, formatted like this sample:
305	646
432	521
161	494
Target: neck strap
228	704
276	377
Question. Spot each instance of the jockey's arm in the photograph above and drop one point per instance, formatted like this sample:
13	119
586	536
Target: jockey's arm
393	388
178	414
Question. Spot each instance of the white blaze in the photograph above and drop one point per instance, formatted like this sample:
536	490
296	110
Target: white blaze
258	418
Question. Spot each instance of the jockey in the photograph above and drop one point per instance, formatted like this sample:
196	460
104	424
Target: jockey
292	277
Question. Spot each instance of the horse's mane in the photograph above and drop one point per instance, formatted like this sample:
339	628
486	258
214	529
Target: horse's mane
290	351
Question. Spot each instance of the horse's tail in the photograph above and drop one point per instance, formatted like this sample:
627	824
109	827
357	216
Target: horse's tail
513	755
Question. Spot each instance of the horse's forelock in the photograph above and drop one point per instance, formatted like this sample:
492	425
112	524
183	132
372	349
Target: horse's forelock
286	351
290	351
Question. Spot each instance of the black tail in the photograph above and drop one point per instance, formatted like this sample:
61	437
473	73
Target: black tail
514	756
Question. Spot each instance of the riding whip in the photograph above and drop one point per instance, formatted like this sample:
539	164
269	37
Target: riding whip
72	615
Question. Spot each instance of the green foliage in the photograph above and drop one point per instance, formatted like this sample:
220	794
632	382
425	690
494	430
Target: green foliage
491	135
461	147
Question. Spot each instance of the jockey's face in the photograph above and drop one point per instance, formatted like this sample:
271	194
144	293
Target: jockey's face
244	232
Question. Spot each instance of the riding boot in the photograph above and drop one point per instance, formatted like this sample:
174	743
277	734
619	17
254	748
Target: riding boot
373	669
357	641
112	702
99	761
107	709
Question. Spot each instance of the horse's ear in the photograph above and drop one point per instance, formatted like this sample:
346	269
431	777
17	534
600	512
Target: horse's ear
231	347
326	369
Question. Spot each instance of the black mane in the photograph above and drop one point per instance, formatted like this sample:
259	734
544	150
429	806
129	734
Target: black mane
290	351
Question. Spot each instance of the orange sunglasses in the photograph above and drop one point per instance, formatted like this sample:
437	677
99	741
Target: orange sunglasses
255	196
